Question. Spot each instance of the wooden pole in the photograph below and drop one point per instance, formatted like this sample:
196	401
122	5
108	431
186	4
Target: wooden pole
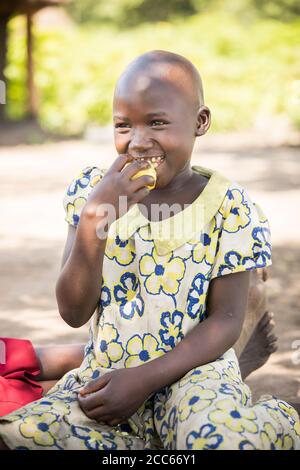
3	58
32	96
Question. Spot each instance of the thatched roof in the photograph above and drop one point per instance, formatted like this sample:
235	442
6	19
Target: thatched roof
12	7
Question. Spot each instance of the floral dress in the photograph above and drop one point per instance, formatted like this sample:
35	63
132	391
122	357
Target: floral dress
155	281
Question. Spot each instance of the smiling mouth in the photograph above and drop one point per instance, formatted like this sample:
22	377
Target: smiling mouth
156	161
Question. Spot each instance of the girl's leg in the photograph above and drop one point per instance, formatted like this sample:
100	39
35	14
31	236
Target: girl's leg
47	385
256	308
261	345
56	361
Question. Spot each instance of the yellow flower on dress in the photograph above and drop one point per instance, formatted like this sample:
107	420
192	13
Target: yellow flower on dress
200	374
168	431
163	273
142	349
232	374
41	428
196	399
73	210
236	418
272	441
297	428
205	249
93	439
108	350
236	216
57	406
88	370
122	251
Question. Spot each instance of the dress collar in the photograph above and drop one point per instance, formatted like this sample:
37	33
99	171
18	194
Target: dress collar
175	231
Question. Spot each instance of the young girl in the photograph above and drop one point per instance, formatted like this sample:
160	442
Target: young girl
170	292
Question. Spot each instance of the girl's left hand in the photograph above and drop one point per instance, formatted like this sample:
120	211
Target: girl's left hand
115	396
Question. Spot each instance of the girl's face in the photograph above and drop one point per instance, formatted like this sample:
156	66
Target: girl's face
153	118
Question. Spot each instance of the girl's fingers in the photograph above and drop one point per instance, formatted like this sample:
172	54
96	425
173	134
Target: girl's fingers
140	194
99	413
119	163
134	167
92	400
94	385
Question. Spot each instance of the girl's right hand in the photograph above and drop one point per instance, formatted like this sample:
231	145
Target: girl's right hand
116	183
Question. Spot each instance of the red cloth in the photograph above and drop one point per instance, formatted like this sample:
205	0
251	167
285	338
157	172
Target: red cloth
18	368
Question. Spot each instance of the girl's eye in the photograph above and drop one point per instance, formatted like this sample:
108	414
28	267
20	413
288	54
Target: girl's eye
121	124
158	123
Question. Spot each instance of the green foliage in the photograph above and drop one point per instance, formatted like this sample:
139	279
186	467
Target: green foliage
285	10
249	69
130	13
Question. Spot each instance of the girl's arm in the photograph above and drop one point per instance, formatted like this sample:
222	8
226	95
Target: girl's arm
78	286
227	303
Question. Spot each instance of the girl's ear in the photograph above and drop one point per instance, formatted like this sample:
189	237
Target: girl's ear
203	121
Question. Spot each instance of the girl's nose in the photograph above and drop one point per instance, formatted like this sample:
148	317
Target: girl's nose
140	142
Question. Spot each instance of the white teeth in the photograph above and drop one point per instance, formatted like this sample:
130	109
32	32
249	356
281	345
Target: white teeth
152	159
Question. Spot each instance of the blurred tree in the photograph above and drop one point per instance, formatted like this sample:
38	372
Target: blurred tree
284	10
129	13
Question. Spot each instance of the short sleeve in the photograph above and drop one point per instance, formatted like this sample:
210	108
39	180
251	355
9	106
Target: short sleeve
78	191
244	240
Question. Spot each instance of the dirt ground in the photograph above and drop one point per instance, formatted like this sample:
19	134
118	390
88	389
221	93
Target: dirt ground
33	231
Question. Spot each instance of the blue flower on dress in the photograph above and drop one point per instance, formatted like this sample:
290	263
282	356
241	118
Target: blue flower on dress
122	251
128	298
142	349
204	251
206	438
172	331
277	406
195	399
168	431
238	215
262	247
82	181
110	350
235	417
232	374
105	299
234	261
196	297
93	439
73	210
232	390
163	273
42	428
246	445
53	404
199	374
